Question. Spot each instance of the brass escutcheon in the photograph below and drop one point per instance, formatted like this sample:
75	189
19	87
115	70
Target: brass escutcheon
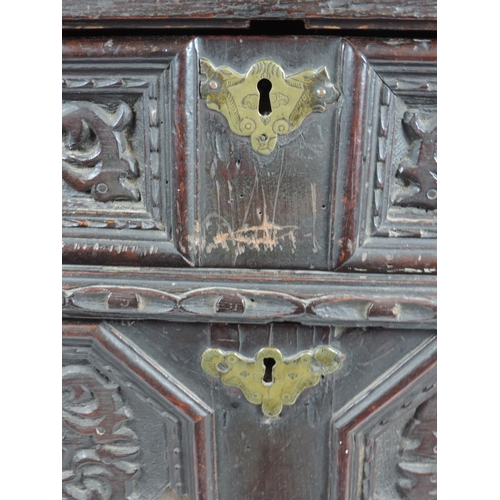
270	379
265	102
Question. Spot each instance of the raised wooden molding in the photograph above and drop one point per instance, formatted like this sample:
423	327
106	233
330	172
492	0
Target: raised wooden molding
249	296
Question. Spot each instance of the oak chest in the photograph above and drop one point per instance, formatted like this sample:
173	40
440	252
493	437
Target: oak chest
249	277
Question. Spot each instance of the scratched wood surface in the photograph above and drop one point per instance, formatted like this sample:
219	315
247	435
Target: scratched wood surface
267	211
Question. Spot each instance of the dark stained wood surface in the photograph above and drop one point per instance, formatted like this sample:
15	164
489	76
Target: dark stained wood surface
392	14
154	226
311	298
352	189
217	444
155	184
138	410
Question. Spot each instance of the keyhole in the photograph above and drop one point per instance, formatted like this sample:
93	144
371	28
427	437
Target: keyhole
264	87
268	375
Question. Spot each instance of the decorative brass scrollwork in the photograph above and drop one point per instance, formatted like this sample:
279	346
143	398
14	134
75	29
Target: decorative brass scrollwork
265	103
269	378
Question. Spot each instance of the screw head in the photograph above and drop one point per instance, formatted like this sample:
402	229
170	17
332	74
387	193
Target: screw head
321	92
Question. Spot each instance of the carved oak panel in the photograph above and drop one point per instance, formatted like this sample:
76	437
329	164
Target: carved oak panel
129	429
344	179
294	180
122	201
390	223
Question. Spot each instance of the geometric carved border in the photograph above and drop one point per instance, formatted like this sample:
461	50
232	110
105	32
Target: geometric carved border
375	232
356	428
190	440
242	296
153	228
244	305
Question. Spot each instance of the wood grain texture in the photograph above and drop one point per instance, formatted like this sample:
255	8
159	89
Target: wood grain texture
274	210
392	14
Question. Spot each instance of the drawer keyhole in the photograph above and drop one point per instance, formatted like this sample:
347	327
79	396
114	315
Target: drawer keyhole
268	375
264	87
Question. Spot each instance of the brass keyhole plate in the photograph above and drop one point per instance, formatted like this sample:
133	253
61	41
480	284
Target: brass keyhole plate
269	378
264	110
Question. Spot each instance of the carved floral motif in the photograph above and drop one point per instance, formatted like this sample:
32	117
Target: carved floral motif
99	449
418	170
95	153
418	464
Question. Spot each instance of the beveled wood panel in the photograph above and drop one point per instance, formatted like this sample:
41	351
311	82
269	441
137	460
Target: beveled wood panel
390	223
270	210
385	443
127	189
129	428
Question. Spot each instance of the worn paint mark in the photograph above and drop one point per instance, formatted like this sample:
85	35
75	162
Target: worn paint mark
265	236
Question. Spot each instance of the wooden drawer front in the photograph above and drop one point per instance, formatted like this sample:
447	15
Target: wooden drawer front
141	417
125	183
160	170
